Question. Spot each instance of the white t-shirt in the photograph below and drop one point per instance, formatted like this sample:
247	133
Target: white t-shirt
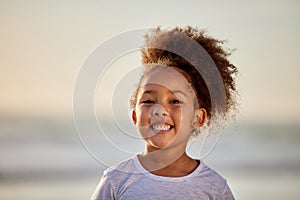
129	180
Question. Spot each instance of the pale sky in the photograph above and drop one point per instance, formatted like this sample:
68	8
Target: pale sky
44	43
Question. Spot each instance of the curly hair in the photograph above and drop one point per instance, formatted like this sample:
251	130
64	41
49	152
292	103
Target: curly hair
166	58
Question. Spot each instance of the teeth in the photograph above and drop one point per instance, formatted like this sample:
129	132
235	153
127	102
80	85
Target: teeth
161	127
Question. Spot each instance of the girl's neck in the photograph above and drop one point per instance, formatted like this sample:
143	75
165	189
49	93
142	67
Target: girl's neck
166	163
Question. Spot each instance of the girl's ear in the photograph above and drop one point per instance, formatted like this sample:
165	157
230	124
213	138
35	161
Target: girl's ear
133	116
199	118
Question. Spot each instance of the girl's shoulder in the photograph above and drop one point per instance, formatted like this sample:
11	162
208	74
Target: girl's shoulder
124	167
210	174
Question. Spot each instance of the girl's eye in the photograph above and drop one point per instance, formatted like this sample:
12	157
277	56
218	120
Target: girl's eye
176	101
148	101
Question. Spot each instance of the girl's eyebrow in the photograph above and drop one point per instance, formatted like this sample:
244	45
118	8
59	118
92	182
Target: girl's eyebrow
173	92
148	92
179	91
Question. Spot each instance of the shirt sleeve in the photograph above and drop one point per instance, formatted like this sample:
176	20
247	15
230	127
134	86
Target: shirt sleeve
227	194
104	189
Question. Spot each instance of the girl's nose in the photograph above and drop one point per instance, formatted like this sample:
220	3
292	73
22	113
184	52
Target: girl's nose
158	110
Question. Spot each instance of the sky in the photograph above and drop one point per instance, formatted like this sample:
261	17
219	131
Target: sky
43	45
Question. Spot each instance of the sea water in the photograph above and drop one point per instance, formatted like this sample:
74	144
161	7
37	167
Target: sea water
47	159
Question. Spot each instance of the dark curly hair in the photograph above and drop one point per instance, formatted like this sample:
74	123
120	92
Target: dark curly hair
211	45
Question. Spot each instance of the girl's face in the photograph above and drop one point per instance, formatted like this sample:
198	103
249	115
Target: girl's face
165	112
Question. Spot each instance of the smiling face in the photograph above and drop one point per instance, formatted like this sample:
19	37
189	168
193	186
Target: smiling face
165	112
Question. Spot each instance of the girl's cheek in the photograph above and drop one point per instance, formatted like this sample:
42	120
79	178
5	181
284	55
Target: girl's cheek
176	111
144	114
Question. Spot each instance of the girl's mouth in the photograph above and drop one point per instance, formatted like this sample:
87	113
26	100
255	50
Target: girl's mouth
161	127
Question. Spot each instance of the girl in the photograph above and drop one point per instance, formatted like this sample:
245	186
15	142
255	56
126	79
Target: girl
171	102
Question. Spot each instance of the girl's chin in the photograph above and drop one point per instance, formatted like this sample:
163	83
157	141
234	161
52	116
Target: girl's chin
159	141
158	146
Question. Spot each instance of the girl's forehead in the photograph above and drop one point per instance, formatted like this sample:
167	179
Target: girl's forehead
167	77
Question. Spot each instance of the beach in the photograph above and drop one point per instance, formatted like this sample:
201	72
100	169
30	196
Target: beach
44	159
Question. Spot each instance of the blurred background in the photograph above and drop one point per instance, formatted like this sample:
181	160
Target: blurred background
44	43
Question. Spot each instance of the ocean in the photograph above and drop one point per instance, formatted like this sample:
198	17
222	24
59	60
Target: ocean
47	159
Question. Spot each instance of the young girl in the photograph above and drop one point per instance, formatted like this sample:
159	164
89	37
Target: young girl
171	102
